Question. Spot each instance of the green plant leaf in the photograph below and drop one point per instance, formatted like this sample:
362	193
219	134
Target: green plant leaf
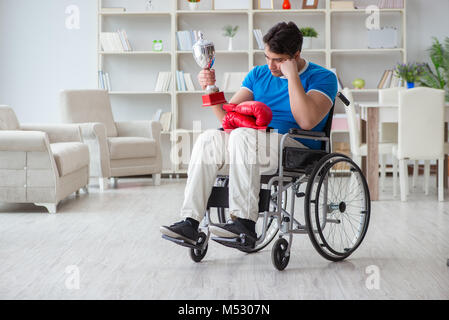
230	31
309	32
429	79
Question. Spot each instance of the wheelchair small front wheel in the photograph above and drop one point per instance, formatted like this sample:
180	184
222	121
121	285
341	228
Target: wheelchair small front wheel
337	207
279	255
198	254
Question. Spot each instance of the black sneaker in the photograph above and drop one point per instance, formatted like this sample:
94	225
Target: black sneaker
233	230
181	230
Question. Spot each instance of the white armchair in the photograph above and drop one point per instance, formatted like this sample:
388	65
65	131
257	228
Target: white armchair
40	164
117	149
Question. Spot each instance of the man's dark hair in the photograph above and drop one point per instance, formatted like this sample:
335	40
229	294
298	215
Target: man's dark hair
284	38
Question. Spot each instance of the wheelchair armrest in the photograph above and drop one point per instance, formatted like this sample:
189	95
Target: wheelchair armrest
318	134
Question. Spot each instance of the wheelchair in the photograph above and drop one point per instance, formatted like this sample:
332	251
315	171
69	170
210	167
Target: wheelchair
336	203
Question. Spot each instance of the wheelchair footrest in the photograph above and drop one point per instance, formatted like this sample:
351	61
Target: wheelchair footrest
242	242
181	242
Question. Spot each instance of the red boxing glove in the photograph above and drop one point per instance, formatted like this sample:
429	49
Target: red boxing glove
233	120
260	111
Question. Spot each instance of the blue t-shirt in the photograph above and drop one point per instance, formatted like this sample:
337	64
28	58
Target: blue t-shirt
273	91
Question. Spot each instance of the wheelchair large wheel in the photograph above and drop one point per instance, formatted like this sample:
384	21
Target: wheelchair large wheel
337	207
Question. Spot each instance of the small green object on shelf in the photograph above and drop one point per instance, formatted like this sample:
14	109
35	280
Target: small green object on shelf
358	83
157	45
309	32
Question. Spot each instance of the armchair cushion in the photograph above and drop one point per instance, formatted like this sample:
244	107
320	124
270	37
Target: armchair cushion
70	156
56	132
131	147
79	106
8	119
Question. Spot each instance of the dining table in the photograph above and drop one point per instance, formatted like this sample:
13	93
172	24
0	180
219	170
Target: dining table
374	113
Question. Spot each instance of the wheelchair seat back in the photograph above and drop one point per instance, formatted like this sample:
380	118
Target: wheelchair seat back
304	160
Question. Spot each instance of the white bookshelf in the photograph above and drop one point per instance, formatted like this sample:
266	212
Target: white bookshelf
133	74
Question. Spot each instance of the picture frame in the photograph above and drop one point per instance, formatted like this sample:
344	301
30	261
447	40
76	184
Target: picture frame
265	5
309	4
230	5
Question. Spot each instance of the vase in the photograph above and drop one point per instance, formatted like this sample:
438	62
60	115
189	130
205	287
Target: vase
307	43
230	44
286	5
410	85
193	6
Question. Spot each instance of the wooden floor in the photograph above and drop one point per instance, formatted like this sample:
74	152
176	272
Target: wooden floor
113	241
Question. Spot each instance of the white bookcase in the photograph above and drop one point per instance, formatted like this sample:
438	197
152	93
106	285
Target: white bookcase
342	44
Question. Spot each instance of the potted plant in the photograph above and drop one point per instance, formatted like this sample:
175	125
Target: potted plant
437	78
230	32
308	34
409	72
193	4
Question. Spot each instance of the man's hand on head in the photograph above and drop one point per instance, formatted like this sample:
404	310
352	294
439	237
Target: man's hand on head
289	68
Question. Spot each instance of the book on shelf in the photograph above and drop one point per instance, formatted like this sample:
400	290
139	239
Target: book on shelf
113	10
163	82
381	4
124	40
390	4
165	121
382	80
387	83
389	79
115	41
157	115
259	38
189	82
342	5
184	81
104	81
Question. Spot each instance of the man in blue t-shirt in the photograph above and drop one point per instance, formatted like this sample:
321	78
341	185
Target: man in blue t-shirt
300	95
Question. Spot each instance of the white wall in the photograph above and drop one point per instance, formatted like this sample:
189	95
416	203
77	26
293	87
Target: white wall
425	19
39	56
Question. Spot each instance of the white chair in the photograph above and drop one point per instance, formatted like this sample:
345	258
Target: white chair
40	164
117	149
358	149
420	134
388	130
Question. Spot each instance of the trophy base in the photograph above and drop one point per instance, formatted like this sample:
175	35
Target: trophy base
213	99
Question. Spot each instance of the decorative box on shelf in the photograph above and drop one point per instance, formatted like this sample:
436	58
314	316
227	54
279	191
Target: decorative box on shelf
383	38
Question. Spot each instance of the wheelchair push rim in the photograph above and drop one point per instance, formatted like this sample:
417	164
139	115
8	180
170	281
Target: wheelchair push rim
337	207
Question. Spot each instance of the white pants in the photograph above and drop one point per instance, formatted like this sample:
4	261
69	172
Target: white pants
244	154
